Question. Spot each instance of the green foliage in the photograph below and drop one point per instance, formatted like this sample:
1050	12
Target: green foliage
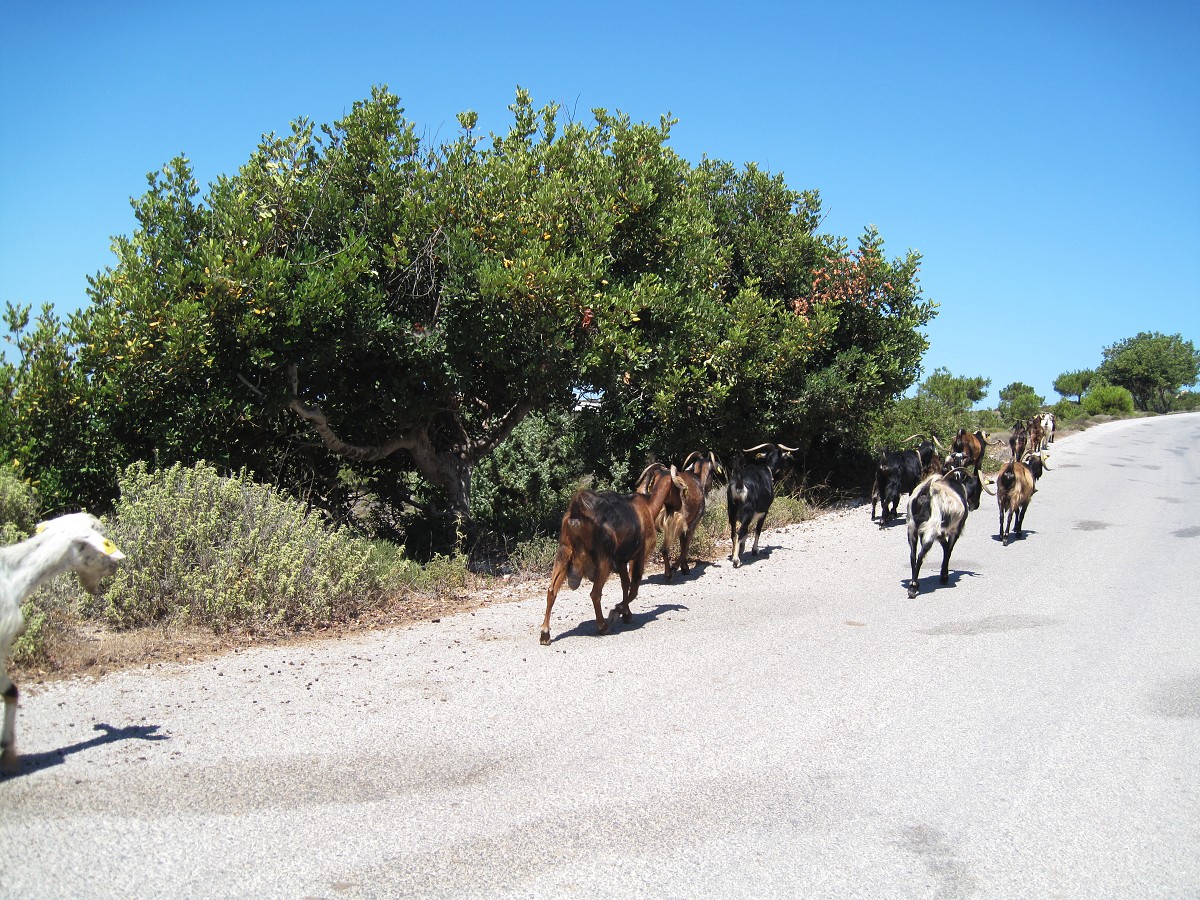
359	311
522	488
50	412
1019	402
1067	411
957	393
1187	401
1153	367
226	551
19	507
1108	400
1074	384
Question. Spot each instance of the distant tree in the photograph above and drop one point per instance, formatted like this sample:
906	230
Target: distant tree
1153	367
1074	384
1018	402
1106	399
958	393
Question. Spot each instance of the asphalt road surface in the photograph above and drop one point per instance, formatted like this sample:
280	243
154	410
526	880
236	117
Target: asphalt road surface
795	728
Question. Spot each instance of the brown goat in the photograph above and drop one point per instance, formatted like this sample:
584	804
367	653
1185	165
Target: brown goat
1037	434
972	447
1015	487
1018	440
603	532
697	473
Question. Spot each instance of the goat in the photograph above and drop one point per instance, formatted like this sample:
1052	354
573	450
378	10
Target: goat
1018	440
899	471
1048	424
973	446
749	494
937	511
604	532
1037	434
72	542
1015	486
697	473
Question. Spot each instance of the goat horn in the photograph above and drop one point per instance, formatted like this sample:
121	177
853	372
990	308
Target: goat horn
914	437
986	484
695	454
787	449
752	449
1045	465
646	471
937	442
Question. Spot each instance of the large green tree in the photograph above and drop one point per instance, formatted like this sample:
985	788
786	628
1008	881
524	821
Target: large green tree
358	307
1153	367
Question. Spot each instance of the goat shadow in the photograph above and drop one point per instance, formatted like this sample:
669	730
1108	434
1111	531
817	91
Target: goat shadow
695	570
587	628
1013	537
36	762
929	580
764	553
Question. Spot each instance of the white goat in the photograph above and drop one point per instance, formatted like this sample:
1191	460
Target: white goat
73	542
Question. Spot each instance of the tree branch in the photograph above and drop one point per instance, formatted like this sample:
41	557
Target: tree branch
320	423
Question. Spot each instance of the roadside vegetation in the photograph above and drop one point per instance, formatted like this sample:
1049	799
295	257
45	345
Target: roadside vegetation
358	380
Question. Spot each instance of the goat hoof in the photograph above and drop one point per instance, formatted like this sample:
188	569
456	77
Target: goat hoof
602	627
912	593
545	639
10	763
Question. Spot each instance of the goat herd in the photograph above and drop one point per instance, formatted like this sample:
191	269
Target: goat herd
943	491
605	532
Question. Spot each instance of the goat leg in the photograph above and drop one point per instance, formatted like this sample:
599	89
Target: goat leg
556	581
758	527
947	549
9	762
915	559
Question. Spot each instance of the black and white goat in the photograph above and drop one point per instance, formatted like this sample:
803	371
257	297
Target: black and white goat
74	542
937	511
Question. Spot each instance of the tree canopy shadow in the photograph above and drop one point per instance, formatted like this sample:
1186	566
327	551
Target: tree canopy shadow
35	762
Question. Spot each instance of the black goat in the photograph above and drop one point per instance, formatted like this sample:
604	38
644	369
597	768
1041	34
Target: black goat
749	494
899	471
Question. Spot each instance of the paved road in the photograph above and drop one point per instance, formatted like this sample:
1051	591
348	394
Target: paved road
797	728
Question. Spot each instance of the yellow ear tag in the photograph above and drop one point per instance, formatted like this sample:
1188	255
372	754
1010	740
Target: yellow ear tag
40	528
109	547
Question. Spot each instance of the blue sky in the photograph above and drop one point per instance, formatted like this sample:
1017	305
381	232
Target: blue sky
1044	158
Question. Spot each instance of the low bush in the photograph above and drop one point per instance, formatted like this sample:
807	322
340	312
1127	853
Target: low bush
1108	400
210	550
18	506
